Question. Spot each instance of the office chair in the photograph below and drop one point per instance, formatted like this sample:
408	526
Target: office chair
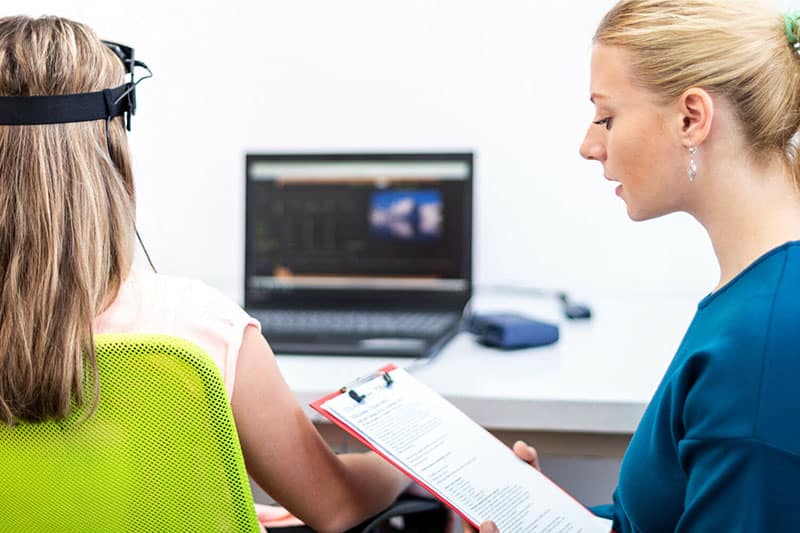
161	452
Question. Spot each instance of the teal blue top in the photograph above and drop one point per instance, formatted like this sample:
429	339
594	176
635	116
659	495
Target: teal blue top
718	448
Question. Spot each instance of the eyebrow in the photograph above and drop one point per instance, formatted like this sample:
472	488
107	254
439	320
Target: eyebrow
595	96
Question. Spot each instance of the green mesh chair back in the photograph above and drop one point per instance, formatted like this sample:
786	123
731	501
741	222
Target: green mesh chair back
160	454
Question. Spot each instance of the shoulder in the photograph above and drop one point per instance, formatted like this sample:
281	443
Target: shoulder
181	307
187	298
737	375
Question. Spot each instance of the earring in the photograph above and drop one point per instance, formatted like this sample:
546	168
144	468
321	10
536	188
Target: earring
692	164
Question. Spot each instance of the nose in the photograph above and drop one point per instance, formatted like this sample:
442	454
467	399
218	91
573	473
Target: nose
593	147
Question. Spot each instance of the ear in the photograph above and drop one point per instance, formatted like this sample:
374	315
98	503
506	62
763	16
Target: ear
696	110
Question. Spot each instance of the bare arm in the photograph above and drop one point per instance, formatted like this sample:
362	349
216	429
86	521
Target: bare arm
287	457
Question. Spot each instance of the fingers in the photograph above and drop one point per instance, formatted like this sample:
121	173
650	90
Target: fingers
527	454
489	527
486	527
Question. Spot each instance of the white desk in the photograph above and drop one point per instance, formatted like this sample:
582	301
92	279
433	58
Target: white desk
595	382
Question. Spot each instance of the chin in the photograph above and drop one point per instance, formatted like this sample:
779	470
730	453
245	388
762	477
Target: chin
640	215
637	217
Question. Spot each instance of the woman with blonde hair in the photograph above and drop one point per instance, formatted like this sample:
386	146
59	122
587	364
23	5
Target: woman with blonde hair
67	239
698	110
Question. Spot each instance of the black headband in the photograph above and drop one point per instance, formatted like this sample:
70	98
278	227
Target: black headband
81	107
58	109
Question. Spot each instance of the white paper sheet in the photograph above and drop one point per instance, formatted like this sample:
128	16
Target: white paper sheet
457	459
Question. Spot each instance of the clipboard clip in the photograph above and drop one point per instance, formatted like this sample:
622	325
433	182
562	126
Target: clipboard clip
364	379
356	396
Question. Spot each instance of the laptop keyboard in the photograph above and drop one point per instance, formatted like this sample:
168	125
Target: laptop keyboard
378	323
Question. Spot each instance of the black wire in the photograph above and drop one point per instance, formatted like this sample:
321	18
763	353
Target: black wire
138	237
133	84
570	309
108	140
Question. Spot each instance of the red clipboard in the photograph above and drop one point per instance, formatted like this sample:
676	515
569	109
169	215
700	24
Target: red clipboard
317	406
350	390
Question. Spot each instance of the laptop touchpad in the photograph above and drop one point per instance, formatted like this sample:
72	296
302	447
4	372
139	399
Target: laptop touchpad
392	343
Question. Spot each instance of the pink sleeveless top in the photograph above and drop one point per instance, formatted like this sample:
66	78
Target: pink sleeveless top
155	303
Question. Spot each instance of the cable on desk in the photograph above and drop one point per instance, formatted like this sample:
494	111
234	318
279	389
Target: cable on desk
571	310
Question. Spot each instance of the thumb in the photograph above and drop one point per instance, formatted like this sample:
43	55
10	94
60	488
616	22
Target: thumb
489	527
527	454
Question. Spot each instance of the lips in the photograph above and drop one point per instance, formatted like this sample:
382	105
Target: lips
618	189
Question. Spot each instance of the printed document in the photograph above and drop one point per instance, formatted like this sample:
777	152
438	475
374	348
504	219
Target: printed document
457	460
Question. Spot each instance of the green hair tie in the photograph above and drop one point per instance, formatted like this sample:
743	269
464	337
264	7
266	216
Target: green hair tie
790	22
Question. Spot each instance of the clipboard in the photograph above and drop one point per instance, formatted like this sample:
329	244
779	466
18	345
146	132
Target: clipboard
350	409
351	390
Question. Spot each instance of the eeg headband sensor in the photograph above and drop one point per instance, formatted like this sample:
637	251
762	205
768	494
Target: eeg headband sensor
81	107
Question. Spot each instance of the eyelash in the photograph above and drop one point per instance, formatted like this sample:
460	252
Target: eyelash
604	121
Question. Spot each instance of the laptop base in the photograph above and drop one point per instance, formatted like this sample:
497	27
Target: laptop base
355	346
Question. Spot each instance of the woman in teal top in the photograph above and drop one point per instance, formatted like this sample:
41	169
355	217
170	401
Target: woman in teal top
718	448
698	110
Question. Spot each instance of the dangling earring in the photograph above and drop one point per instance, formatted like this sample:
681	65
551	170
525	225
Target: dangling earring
692	165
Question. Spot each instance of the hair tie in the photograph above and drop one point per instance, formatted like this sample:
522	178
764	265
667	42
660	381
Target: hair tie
790	22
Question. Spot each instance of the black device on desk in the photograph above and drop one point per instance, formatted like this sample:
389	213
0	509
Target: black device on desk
358	254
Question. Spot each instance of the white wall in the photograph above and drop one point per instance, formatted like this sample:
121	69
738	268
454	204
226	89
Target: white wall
507	78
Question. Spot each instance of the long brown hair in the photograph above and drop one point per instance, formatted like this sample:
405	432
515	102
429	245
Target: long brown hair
738	49
66	220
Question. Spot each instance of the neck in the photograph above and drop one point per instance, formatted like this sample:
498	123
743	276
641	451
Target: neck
752	209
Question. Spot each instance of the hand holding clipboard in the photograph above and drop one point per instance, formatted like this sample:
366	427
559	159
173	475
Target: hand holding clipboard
455	459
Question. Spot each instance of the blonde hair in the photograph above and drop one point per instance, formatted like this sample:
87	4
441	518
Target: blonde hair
66	220
737	49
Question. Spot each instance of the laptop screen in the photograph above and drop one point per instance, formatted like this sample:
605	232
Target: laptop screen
350	225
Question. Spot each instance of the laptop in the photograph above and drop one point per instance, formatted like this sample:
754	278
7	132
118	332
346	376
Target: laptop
358	254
